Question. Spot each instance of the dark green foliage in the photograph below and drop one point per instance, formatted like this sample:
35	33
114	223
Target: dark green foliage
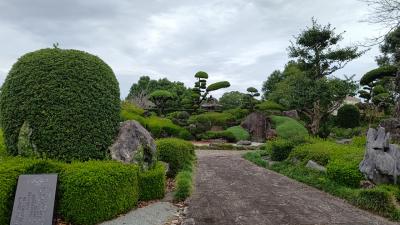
339	132
160	99
96	191
70	100
288	128
201	74
239	132
232	100
226	135
379	73
280	149
152	183
176	152
344	172
179	118
237	114
218	85
348	116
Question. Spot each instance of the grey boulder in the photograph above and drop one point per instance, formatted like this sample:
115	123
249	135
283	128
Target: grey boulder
315	166
381	163
134	144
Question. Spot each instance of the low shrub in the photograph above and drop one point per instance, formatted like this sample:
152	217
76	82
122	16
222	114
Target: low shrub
179	118
152	183
280	149
288	128
184	185
377	200
339	132
238	114
322	152
226	135
348	116
239	132
345	172
205	121
162	128
96	191
359	141
176	152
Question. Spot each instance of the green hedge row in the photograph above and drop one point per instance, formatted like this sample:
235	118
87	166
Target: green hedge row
224	134
89	192
178	153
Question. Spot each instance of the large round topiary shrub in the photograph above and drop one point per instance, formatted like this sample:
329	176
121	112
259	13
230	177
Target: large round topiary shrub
348	116
61	104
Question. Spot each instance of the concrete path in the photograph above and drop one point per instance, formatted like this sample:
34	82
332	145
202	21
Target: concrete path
230	190
155	214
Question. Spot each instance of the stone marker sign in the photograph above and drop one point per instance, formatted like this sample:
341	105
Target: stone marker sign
34	200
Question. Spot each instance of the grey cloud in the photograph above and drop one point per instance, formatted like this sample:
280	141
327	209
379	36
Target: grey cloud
237	40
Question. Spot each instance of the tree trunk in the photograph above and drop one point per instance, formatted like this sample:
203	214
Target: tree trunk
315	118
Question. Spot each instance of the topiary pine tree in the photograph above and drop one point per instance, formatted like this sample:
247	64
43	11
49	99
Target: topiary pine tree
249	100
61	104
201	90
160	99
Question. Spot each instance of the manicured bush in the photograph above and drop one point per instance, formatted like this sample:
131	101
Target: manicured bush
152	183
345	172
204	122
3	149
348	116
239	132
179	118
226	135
238	114
96	191
280	149
269	106
162	127
184	185
68	101
176	152
288	128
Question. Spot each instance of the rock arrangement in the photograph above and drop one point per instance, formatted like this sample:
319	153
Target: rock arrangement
381	163
257	125
392	125
134	144
291	113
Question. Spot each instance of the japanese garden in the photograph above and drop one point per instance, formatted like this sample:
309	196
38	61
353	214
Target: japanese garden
307	145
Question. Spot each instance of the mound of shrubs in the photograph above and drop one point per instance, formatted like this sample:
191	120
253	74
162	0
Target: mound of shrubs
239	132
178	153
226	135
204	122
288	128
68	102
348	116
157	126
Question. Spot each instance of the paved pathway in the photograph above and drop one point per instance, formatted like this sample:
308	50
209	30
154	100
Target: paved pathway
230	190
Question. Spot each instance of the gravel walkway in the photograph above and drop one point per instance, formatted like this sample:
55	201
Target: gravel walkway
230	190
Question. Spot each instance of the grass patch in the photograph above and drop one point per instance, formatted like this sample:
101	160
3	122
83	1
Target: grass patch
288	128
239	132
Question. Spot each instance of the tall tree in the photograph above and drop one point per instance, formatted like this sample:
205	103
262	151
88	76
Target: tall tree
232	100
318	55
160	99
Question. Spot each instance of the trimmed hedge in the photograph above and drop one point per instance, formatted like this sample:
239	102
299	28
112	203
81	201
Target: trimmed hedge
280	149
184	185
204	122
176	152
152	183
288	128
239	132
377	200
68	100
88	192
96	191
345	172
226	135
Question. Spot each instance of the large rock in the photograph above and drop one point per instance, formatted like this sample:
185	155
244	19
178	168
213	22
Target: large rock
257	125
134	144
315	166
381	162
392	125
291	113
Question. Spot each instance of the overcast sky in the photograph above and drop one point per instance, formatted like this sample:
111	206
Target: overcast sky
241	41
